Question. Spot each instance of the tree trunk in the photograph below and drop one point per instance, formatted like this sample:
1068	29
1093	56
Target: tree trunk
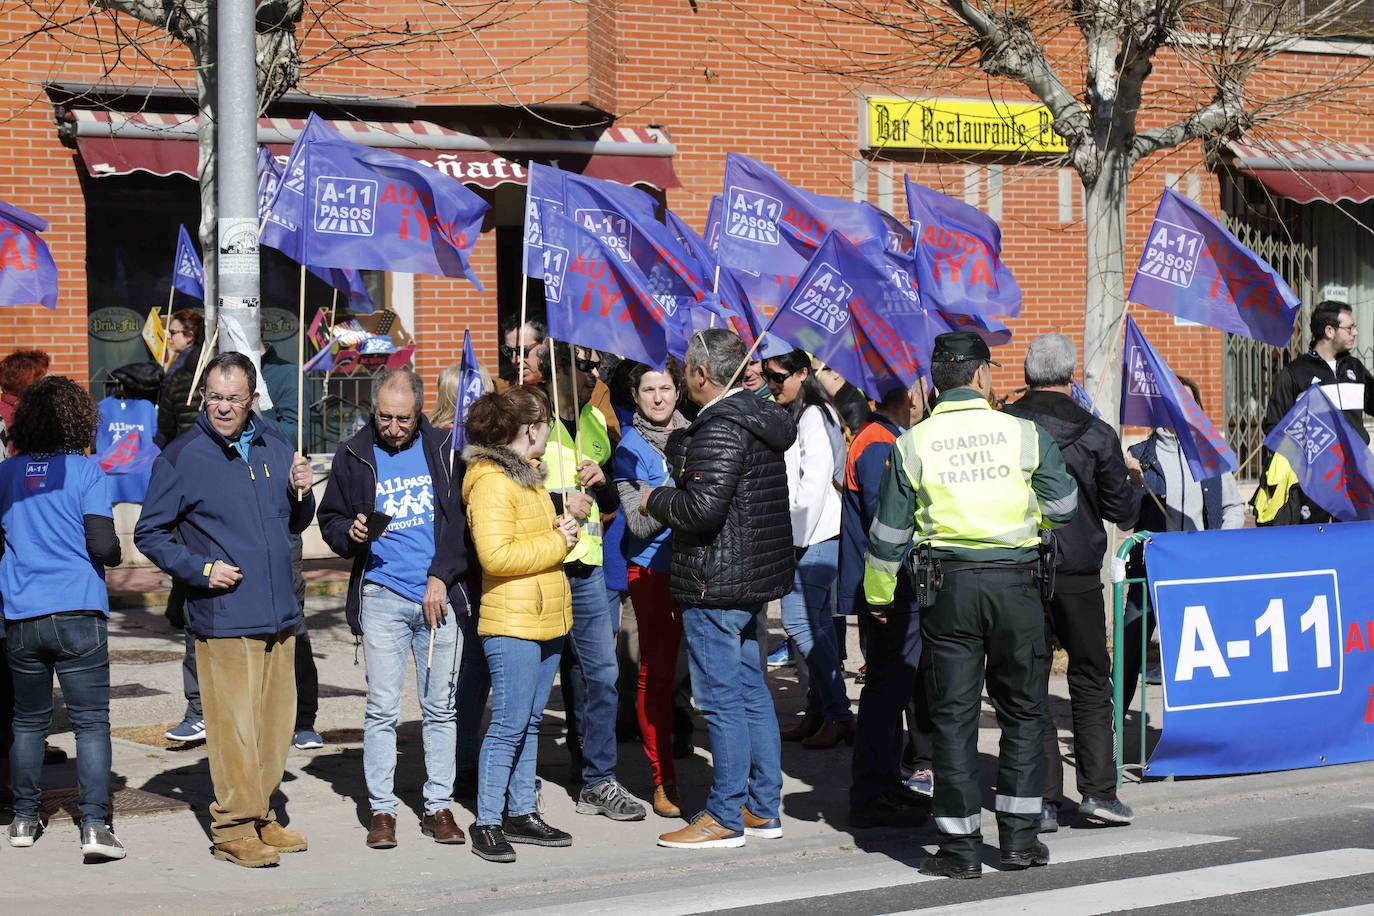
1105	220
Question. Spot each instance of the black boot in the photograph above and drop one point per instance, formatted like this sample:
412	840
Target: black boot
941	865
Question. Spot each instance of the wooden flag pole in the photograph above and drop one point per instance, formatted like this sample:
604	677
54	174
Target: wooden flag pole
167	328
557	411
429	658
300	376
520	328
206	349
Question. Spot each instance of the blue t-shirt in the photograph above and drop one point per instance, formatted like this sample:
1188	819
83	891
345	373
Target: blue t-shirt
43	504
636	459
400	559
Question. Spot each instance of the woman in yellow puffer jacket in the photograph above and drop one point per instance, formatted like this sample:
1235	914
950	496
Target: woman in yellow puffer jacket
526	608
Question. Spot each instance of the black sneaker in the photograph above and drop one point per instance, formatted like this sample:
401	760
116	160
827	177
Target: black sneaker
531	829
1034	857
945	866
1049	818
490	843
1106	810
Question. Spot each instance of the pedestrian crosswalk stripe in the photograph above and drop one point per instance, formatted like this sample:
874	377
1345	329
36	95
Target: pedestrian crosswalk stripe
1364	909
873	872
1172	887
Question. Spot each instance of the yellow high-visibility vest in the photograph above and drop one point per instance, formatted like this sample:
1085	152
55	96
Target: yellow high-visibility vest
560	458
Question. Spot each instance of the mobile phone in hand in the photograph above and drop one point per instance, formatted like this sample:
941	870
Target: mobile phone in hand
376	525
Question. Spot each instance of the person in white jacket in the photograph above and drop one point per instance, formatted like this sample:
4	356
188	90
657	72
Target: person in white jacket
815	463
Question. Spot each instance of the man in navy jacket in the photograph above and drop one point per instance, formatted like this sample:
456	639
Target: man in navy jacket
224	499
406	590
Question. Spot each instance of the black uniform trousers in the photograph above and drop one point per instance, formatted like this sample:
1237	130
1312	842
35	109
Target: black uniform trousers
1077	620
892	654
994	617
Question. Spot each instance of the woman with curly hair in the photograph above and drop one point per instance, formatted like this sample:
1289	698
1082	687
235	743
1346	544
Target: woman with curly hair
18	371
58	535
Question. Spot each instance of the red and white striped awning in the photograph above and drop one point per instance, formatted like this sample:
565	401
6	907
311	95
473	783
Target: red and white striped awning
118	143
1306	172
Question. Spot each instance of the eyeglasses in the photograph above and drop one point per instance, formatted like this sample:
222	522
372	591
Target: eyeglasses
587	365
388	419
1345	327
777	378
510	352
233	400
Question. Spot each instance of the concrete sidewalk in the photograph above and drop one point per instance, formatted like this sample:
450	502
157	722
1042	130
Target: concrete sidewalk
169	866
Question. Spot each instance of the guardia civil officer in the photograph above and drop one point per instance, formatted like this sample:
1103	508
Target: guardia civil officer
971	488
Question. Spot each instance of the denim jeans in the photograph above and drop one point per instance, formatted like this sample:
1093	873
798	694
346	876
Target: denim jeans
394	628
474	686
808	620
73	645
522	673
594	673
727	680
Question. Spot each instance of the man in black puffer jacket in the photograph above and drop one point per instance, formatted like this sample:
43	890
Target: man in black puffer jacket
732	553
1075	614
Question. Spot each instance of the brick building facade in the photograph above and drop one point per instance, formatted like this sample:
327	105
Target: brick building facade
707	76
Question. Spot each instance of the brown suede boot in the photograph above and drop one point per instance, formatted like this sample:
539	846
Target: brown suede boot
665	801
807	726
281	838
829	735
250	852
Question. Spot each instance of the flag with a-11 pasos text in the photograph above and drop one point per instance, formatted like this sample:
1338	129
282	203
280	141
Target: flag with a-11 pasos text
1334	467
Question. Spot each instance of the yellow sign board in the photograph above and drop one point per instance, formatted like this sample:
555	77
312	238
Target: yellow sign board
956	124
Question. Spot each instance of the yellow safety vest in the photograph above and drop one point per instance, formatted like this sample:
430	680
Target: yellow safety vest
974	469
561	457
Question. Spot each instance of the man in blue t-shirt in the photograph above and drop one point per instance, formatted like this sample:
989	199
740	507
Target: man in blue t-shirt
406	591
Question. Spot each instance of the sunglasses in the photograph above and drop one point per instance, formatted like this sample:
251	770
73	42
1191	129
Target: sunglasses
777	378
587	365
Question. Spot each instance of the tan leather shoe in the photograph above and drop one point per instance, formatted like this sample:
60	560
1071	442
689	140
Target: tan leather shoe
250	852
383	832
665	801
282	839
765	828
704	832
829	735
806	726
443	828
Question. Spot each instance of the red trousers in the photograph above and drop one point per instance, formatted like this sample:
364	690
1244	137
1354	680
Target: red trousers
660	635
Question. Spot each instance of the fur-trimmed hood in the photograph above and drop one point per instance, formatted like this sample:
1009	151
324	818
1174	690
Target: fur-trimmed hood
525	473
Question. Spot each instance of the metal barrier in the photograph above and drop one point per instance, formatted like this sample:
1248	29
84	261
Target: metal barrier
1121	586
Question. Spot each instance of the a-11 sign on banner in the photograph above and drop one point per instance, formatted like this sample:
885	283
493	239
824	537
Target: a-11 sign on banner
1267	648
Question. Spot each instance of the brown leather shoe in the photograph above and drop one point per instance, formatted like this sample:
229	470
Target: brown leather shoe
250	852
281	838
443	828
383	832
807	726
704	832
665	801
829	735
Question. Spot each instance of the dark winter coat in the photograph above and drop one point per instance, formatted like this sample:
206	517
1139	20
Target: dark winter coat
1092	453
732	530
352	490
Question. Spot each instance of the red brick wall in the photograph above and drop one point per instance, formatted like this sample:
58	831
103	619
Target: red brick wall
748	76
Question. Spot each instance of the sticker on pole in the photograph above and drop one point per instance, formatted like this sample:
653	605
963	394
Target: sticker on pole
345	206
238	245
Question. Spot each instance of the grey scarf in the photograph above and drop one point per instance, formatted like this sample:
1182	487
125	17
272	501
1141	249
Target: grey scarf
657	436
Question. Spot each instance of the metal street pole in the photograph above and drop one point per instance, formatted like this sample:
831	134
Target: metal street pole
236	147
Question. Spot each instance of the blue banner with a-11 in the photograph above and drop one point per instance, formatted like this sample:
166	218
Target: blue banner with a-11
1267	648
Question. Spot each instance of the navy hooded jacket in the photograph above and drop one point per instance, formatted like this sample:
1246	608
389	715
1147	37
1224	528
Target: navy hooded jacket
205	503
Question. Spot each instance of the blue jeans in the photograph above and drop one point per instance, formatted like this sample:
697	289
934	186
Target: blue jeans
74	646
727	680
394	628
808	620
474	686
522	673
594	674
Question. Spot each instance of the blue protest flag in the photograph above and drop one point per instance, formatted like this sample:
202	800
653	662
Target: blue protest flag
28	274
712	233
1151	395
342	279
546	191
727	302
1193	267
188	275
958	252
285	211
469	390
769	229
374	209
1082	399
847	311
1335	469
595	298
993	332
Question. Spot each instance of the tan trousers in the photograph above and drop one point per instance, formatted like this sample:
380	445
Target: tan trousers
248	689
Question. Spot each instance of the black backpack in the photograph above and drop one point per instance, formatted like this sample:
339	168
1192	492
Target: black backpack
136	381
